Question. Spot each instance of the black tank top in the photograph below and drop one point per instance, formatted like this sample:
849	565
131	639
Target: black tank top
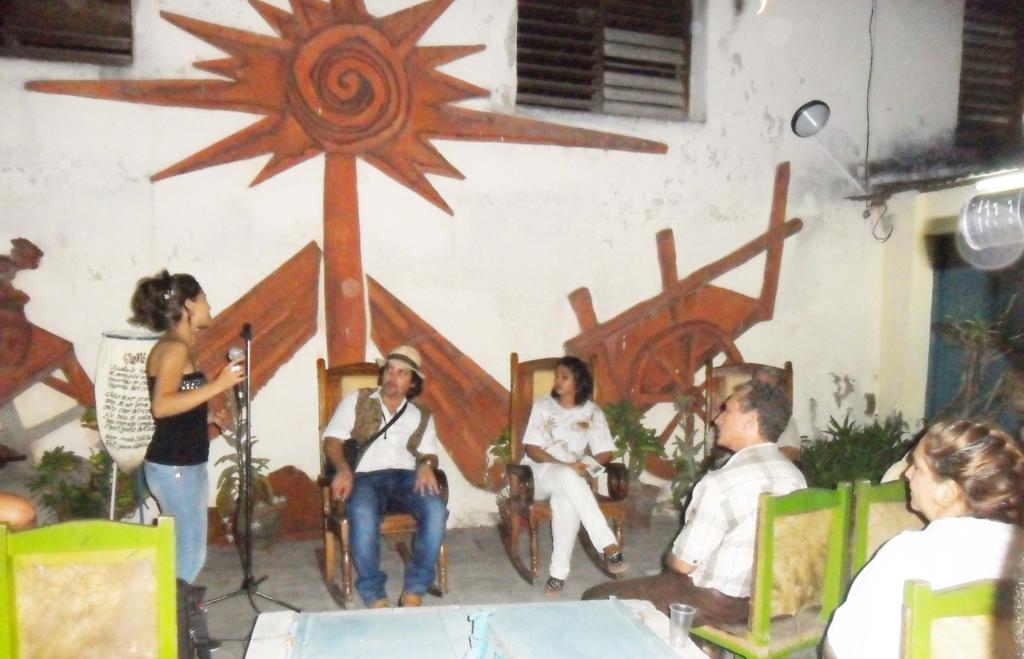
181	439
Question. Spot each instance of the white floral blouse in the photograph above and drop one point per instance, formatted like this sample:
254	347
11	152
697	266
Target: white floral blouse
566	433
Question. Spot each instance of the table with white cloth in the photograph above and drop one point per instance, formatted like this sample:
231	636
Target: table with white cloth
593	629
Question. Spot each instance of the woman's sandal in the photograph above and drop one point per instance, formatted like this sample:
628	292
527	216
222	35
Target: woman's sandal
615	563
554	587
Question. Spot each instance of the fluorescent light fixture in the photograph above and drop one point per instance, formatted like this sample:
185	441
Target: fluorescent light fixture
1006	181
990	235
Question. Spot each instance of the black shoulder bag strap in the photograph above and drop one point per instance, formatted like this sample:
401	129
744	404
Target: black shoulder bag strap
354	450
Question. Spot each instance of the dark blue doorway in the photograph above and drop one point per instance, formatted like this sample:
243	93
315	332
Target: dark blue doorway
961	292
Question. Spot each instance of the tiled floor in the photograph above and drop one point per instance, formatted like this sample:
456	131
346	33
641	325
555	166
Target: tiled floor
479	573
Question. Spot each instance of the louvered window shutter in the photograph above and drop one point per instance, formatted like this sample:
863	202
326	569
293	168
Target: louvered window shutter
991	109
95	31
626	57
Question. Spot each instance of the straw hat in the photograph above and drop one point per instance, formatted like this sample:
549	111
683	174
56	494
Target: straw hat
404	357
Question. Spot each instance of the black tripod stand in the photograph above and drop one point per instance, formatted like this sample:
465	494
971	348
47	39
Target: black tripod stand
250	584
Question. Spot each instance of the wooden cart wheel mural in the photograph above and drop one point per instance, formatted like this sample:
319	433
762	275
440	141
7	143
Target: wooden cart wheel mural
665	366
668	371
653	353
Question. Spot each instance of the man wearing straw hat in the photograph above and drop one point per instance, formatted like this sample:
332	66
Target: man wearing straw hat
394	454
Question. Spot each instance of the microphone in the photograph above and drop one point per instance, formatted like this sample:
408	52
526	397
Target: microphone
236	352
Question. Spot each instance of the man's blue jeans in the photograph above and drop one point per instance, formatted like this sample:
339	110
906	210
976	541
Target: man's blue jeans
391	490
182	492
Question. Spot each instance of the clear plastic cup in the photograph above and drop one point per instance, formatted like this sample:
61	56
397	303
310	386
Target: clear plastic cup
680	620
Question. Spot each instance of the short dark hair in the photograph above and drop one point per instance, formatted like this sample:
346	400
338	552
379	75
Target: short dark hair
771	404
580	376
414	390
159	301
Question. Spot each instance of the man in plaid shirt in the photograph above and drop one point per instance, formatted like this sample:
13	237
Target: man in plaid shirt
712	559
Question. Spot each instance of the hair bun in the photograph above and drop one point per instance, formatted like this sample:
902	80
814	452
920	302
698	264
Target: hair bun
159	301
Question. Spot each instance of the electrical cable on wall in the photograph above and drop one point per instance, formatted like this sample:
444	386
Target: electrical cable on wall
867	94
871	205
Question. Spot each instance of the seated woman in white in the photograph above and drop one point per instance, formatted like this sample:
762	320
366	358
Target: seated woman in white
967	480
562	428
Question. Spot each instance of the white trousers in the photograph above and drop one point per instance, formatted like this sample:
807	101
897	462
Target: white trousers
572	502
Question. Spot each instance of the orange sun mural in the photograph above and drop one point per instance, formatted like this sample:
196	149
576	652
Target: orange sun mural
339	81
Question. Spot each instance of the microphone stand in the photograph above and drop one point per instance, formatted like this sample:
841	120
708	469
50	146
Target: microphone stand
250	585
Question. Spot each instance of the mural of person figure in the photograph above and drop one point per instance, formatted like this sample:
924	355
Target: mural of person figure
15	330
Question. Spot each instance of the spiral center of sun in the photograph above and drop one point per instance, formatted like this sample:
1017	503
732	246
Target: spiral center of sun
349	89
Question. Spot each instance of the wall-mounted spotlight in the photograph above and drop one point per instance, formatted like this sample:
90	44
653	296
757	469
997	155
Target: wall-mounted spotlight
810	118
808	121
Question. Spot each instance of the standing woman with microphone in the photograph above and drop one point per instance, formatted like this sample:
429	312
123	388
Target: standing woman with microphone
175	464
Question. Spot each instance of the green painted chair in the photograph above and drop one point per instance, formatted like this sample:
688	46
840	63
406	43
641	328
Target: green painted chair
799	574
973	620
88	589
880	512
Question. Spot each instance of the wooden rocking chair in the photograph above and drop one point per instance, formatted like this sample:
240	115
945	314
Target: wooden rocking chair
531	380
333	384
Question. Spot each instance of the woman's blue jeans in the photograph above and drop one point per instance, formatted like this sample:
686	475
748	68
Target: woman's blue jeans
182	492
391	490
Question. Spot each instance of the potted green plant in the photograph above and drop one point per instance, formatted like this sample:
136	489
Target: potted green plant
88	418
851	451
684	458
75	487
635	443
266	508
499	454
992	380
687	470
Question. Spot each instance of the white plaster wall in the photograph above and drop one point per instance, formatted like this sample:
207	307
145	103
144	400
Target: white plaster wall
74	179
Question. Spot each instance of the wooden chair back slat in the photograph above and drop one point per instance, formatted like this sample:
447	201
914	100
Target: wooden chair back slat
50	574
971	620
880	512
800	556
529	380
335	383
724	379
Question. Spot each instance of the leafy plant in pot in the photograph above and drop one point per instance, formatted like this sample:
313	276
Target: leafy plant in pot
498	455
851	451
992	377
684	458
636	442
74	487
266	508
